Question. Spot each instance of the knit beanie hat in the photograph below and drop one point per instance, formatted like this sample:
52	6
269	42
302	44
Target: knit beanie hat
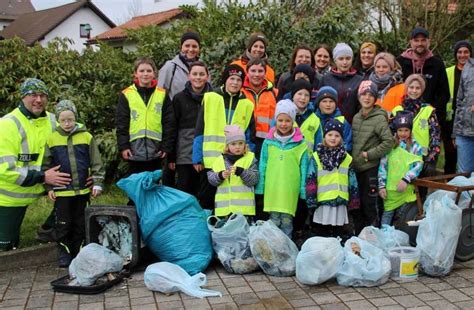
230	70
333	124
326	92
342	49
368	87
389	59
462	43
65	105
415	77
286	106
403	119
32	86
307	70
191	35
257	36
299	85
233	133
369	45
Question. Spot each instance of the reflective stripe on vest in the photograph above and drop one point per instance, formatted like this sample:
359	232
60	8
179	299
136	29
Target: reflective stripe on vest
398	163
421	128
308	129
335	183
233	195
145	119
449	106
215	120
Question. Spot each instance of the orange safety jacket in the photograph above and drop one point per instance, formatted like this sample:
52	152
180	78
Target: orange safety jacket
392	98
269	72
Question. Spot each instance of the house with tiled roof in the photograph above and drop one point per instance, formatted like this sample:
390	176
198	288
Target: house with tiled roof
78	21
117	37
11	9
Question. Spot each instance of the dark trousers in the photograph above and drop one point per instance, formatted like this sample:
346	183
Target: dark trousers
168	177
188	179
207	192
10	224
70	222
141	166
450	152
429	170
301	216
371	209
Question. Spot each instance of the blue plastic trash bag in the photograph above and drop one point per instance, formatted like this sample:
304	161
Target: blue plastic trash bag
385	238
274	252
319	260
92	262
168	278
438	236
230	239
364	264
172	223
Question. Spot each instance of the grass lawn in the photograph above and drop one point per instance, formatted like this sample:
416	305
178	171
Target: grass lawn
37	213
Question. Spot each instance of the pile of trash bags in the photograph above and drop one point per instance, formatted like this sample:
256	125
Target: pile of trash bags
385	238
172	223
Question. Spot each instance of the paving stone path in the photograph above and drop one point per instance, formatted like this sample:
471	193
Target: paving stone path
30	288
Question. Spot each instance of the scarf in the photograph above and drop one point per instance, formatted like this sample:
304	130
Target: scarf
231	158
417	61
331	157
283	139
187	61
412	105
249	57
386	81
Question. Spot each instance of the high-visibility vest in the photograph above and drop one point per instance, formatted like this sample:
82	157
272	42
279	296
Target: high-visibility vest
449	106
392	98
335	183
27	154
421	128
215	120
264	109
145	119
398	163
233	195
309	134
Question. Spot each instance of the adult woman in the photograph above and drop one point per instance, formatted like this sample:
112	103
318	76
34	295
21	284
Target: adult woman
322	60
365	62
345	80
388	78
302	54
256	48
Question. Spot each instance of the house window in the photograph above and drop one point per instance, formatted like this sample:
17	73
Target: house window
85	30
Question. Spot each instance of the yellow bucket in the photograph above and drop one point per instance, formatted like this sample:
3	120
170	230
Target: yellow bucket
404	261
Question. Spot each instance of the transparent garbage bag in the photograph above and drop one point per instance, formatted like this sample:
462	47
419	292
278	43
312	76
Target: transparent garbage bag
167	278
319	260
385	238
274	252
438	236
364	264
464	201
230	240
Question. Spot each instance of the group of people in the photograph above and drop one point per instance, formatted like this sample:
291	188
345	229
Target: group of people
332	145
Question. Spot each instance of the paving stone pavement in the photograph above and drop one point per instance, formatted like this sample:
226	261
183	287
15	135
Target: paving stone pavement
30	289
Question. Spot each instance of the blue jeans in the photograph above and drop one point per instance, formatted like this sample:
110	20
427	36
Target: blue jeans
387	216
283	221
465	147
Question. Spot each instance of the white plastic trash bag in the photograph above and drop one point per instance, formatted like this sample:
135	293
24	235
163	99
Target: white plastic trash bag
274	252
319	260
92	262
464	201
385	238
364	264
230	240
438	236
166	278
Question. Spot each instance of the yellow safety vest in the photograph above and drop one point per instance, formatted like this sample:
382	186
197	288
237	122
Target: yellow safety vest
233	195
145	119
449	106
309	128
335	183
29	136
215	120
421	128
398	164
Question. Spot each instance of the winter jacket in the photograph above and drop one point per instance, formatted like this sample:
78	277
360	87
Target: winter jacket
346	85
464	119
173	76
249	176
437	90
371	134
184	112
392	98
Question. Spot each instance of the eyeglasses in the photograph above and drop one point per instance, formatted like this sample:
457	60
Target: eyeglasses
40	95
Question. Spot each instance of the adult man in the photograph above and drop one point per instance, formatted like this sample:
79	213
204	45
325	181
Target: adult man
24	132
419	59
462	53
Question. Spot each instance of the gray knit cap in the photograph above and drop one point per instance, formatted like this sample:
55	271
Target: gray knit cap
65	105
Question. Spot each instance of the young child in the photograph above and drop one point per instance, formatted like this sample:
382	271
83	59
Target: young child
234	173
399	168
74	149
326	109
371	140
282	167
331	185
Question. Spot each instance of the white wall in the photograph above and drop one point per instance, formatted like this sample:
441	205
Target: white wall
4	23
70	28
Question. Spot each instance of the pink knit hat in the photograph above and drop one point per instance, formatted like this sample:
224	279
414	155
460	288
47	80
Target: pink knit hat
389	59
415	77
233	133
